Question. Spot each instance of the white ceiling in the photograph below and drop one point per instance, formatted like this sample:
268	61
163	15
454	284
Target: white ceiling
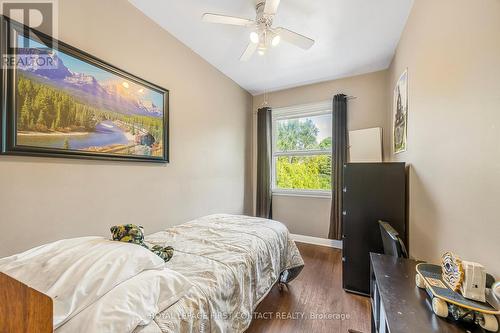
352	37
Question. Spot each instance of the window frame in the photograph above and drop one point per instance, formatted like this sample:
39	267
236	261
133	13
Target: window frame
295	112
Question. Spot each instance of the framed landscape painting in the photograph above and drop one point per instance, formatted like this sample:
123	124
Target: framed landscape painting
59	101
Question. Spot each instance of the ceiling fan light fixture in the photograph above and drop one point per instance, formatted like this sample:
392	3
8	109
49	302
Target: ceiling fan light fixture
262	34
261	50
276	40
254	37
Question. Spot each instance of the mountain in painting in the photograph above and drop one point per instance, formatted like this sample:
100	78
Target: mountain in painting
107	95
133	96
53	73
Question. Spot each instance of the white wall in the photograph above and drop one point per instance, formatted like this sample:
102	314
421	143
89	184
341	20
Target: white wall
44	199
452	51
311	216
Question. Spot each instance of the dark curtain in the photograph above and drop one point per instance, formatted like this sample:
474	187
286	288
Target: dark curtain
339	157
264	195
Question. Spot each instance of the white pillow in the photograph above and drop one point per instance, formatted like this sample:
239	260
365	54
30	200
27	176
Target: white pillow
77	272
133	303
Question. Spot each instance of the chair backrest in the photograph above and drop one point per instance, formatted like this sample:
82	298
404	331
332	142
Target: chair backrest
393	244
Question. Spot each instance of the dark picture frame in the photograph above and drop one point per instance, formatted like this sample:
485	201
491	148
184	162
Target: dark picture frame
9	117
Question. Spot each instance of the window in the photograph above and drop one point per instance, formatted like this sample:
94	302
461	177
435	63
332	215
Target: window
302	149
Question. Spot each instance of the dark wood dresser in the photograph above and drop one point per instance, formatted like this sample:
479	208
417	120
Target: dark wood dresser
372	192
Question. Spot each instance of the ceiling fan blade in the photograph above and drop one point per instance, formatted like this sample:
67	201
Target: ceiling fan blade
271	7
224	19
295	38
250	50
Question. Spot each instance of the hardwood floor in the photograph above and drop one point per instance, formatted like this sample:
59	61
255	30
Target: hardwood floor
316	292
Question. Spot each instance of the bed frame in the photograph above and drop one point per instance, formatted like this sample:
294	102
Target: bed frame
23	309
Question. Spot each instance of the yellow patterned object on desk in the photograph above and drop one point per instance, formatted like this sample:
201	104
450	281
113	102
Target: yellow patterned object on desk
453	272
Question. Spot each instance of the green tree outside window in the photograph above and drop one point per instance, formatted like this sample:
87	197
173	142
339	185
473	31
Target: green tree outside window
309	172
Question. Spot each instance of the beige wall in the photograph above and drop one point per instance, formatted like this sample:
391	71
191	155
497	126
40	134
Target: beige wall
44	199
452	51
310	216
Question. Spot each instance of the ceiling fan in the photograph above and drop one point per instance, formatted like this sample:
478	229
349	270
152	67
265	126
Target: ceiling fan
263	34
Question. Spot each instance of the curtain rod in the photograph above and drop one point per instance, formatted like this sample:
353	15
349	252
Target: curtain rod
347	97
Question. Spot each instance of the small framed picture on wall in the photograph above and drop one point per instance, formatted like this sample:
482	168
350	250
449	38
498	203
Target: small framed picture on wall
400	114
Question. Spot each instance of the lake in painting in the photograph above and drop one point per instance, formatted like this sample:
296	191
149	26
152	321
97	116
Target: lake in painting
77	106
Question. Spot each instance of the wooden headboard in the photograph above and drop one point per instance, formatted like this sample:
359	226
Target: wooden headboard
23	309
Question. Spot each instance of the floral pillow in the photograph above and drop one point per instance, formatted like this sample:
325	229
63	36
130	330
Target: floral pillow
131	233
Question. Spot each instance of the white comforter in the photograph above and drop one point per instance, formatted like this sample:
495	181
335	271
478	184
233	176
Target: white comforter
223	266
233	262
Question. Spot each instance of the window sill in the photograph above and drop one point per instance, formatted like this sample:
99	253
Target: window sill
306	194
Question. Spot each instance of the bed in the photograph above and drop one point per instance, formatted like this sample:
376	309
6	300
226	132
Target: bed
223	266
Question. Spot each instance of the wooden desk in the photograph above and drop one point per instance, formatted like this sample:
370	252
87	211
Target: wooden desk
398	306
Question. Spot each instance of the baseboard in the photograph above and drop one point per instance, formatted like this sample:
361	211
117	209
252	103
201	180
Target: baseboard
317	241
